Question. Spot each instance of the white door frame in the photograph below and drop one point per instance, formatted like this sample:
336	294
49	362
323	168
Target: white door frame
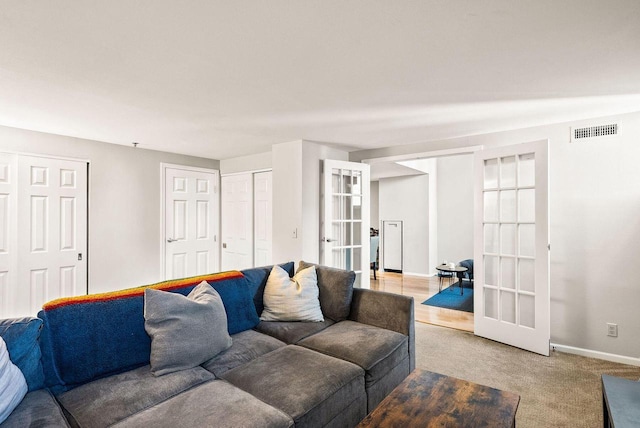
163	229
435	154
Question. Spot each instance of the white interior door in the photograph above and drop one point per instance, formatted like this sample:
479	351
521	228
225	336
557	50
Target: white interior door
263	215
8	234
191	221
237	221
392	245
511	245
345	223
52	231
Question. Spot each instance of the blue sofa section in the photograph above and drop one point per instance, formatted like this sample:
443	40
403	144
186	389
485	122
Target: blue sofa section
86	360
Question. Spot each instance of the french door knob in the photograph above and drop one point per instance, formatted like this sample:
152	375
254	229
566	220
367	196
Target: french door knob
171	240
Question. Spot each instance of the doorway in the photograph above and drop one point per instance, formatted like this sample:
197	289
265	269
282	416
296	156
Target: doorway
434	199
511	243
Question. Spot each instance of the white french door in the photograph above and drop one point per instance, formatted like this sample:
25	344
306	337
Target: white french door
345	223
190	221
237	221
511	245
43	231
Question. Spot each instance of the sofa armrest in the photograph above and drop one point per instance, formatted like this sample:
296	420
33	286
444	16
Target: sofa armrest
386	310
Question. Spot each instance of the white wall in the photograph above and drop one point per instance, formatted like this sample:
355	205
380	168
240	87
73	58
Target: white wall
407	199
296	198
287	200
255	162
124	203
375	204
455	208
595	229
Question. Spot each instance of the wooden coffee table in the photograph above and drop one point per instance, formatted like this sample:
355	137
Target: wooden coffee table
427	399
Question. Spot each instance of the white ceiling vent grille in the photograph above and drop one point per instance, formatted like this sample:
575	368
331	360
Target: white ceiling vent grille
581	134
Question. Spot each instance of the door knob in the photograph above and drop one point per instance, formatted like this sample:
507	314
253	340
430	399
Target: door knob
328	240
171	240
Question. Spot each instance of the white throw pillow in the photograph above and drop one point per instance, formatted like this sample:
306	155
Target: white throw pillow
13	386
292	299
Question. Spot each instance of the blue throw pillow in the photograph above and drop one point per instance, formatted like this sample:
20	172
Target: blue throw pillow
238	303
21	336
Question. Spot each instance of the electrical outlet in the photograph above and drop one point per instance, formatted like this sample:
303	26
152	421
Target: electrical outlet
612	329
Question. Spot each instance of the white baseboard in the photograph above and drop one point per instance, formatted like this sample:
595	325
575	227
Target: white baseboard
596	354
421	275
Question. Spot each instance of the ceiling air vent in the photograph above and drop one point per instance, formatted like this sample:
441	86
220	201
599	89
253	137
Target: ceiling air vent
588	132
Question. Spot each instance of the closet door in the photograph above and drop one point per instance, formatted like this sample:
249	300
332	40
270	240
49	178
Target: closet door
237	221
8	234
263	215
43	232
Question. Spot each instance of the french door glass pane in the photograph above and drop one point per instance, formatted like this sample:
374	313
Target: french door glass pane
336	233
346	212
336	181
346	181
527	240
527	310
526	205
491	206
357	233
491	173
508	239
490	303
508	172
357	259
338	258
526	170
526	275
508	206
491	238
347	234
336	207
491	270
508	306
508	273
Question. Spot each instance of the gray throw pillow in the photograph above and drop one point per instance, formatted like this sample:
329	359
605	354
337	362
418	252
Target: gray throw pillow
185	331
336	290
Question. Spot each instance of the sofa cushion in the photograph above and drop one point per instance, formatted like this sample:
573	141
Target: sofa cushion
38	409
374	349
293	331
88	337
106	401
185	331
292	299
257	279
236	297
336	290
247	345
13	387
22	337
310	387
213	404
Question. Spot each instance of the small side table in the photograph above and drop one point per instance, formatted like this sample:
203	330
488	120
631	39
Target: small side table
457	270
620	402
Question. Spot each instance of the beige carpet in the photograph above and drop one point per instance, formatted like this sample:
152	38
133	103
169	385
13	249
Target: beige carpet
562	390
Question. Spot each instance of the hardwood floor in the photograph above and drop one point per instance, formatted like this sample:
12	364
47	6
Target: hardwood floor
421	289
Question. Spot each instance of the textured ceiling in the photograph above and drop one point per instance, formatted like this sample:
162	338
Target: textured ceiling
227	78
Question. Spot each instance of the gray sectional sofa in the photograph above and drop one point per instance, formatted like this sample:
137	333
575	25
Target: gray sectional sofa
276	374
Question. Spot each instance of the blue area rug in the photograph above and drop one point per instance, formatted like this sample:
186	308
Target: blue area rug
450	298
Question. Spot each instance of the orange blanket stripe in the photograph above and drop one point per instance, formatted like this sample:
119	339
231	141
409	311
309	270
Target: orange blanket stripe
137	291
